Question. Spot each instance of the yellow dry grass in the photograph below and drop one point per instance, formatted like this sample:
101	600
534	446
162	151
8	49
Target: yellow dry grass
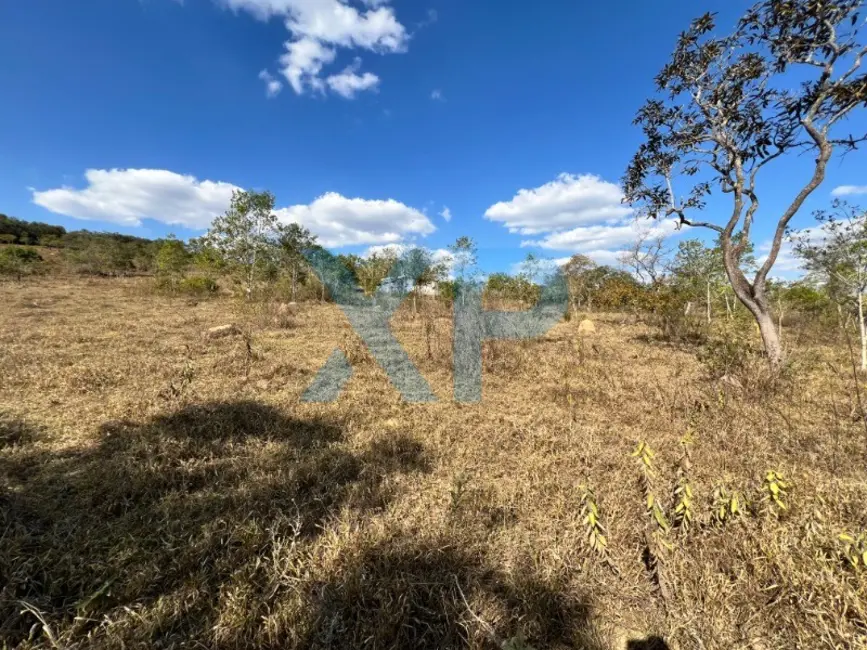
159	490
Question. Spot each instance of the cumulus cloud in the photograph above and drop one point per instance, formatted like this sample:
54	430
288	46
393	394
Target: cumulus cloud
437	95
565	202
437	254
602	237
849	190
602	257
318	28
340	221
349	82
126	196
446	214
576	214
787	264
272	86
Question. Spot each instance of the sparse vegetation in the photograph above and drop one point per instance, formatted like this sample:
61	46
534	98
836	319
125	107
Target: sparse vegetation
160	488
164	485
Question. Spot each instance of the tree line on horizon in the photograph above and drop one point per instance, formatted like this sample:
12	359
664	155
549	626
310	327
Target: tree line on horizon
725	108
681	290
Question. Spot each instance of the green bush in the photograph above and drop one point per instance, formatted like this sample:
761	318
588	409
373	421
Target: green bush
17	262
198	285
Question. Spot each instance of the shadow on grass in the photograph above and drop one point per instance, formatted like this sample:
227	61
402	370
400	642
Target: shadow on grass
650	643
429	595
164	514
209	528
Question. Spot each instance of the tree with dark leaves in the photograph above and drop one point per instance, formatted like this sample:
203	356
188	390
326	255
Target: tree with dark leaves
730	105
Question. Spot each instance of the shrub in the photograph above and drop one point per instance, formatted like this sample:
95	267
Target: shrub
17	262
726	353
171	258
198	285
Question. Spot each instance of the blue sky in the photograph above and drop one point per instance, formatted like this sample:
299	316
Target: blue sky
380	115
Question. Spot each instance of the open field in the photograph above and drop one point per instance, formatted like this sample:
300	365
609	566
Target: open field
160	490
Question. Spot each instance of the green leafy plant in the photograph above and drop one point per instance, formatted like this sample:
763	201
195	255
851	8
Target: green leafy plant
776	491
592	520
854	550
683	509
645	456
727	506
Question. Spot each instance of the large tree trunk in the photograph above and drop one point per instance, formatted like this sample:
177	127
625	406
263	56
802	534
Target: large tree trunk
752	296
770	338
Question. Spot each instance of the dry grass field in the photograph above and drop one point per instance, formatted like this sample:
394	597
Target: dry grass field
161	490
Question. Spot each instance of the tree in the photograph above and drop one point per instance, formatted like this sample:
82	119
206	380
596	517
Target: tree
425	270
245	237
465	256
528	279
577	273
295	239
352	262
171	259
26	232
730	105
611	288
698	270
498	284
646	258
374	269
839	256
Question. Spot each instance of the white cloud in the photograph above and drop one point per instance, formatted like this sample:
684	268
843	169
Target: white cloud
788	265
437	254
302	63
126	196
349	82
272	86
446	214
341	221
576	214
602	257
437	95
384	249
318	27
849	190
602	237
565	202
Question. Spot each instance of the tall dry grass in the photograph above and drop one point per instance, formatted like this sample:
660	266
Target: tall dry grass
160	490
